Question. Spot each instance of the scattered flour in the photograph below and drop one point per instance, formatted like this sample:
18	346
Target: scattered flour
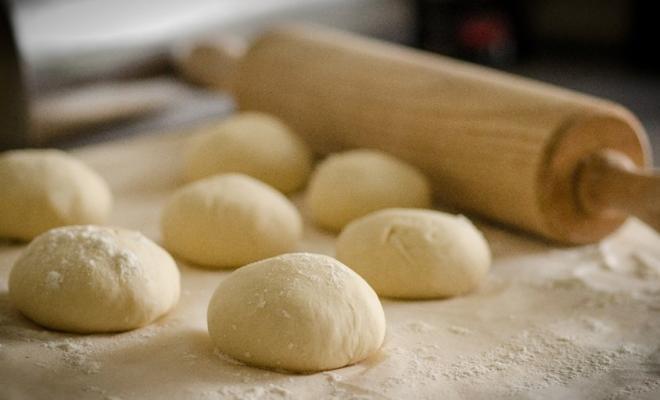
75	353
269	391
595	325
100	391
607	256
635	262
419	327
555	360
646	266
459	330
631	391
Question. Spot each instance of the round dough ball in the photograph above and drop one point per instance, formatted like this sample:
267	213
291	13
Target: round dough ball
299	312
229	220
415	254
251	143
348	185
44	189
91	279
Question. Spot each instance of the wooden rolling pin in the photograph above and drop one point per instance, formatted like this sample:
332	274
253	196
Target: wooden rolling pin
544	159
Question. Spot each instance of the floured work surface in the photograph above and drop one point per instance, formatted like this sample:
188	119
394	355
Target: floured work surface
548	323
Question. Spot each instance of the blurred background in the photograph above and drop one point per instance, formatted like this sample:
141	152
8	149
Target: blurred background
83	71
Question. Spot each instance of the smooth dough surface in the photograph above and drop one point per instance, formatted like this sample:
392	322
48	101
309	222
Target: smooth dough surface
415	254
251	143
349	185
44	189
229	220
299	312
90	279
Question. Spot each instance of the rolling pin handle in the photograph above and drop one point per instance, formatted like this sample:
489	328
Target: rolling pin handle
609	182
210	62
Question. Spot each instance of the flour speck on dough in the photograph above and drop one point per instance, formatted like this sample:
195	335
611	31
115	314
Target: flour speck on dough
53	280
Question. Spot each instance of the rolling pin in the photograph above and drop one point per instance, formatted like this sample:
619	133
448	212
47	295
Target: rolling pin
563	165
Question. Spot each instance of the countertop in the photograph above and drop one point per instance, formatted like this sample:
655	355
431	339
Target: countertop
549	322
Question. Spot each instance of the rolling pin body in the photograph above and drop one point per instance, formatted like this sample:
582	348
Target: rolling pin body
493	144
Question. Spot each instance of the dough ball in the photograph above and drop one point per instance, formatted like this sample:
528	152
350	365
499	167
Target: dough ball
90	279
348	185
229	220
299	312
415	254
44	189
251	143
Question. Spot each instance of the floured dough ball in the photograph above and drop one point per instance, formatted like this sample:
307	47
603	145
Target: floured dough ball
415	254
229	220
90	279
44	189
251	143
299	312
348	185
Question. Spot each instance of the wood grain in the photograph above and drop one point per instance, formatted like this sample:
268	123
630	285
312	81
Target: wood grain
493	144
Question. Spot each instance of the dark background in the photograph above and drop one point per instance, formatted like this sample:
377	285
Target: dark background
605	48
